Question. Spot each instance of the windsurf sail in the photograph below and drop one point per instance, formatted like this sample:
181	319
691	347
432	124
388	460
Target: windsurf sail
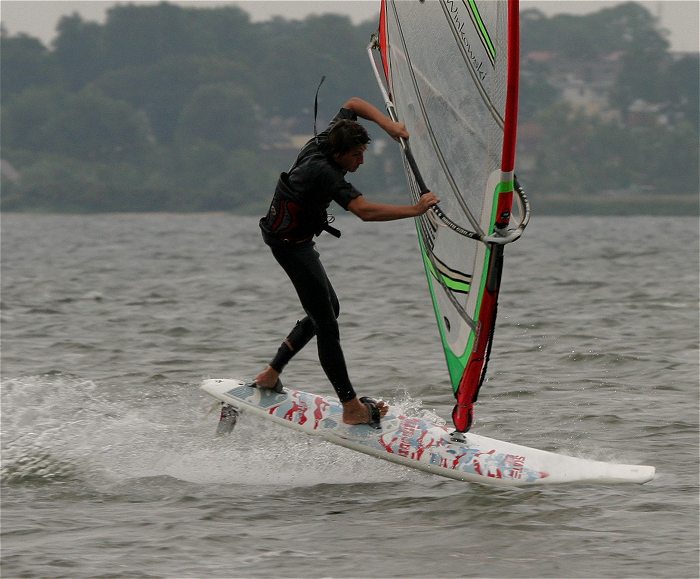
449	70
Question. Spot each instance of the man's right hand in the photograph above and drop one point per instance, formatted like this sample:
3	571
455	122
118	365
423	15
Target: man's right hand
396	130
426	201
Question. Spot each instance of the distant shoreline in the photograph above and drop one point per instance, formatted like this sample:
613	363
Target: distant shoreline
549	206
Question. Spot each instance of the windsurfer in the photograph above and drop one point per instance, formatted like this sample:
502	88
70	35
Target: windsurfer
298	213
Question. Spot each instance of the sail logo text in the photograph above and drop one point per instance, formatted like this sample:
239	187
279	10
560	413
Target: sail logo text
459	25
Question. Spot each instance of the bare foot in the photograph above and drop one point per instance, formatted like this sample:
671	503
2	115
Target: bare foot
356	412
267	378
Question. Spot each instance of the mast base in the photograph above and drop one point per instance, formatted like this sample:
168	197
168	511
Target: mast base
458	437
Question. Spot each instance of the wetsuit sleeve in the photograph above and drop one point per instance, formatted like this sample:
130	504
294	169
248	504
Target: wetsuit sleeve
344	194
333	182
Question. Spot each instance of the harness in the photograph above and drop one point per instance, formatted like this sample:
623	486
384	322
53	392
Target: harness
293	221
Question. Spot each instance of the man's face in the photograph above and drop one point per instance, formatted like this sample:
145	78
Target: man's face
352	160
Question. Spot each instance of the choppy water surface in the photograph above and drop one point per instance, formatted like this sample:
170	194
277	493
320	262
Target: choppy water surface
110	466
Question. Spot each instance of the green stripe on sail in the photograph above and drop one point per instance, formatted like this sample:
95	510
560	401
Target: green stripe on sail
481	27
457	362
453	284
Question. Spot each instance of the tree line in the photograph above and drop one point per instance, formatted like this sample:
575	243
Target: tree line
172	108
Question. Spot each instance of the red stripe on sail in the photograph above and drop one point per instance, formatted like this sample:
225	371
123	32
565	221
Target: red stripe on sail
384	42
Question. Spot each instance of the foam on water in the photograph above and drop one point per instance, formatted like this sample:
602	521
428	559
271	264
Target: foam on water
57	428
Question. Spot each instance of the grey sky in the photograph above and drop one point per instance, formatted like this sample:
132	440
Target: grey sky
39	17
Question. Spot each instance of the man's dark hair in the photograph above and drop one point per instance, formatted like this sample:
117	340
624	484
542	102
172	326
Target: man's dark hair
345	135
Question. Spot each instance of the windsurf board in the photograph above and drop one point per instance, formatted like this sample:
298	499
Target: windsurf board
420	443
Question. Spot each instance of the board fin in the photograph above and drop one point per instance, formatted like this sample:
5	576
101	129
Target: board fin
227	419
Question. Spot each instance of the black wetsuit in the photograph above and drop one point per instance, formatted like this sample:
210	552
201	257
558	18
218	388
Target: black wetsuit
298	213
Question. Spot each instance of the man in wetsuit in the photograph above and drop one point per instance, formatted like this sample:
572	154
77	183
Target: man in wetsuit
297	214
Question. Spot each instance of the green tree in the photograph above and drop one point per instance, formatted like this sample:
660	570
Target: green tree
78	50
208	177
56	182
92	127
537	93
164	88
570	160
160	108
298	53
194	165
621	27
137	35
679	89
671	155
644	60
25	119
24	63
222	113
225	32
245	184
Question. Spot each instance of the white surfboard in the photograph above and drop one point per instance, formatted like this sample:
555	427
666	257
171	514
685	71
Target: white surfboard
421	444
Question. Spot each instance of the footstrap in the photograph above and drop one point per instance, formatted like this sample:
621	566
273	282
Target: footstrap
277	388
374	414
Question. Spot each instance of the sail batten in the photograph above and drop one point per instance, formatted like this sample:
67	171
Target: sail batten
451	75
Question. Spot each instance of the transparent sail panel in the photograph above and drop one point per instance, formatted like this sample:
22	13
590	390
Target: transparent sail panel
447	65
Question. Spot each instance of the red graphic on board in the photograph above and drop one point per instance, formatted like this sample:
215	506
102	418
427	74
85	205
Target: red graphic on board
298	406
487	464
388	445
321	406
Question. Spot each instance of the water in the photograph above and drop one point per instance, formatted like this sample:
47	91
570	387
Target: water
110	466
